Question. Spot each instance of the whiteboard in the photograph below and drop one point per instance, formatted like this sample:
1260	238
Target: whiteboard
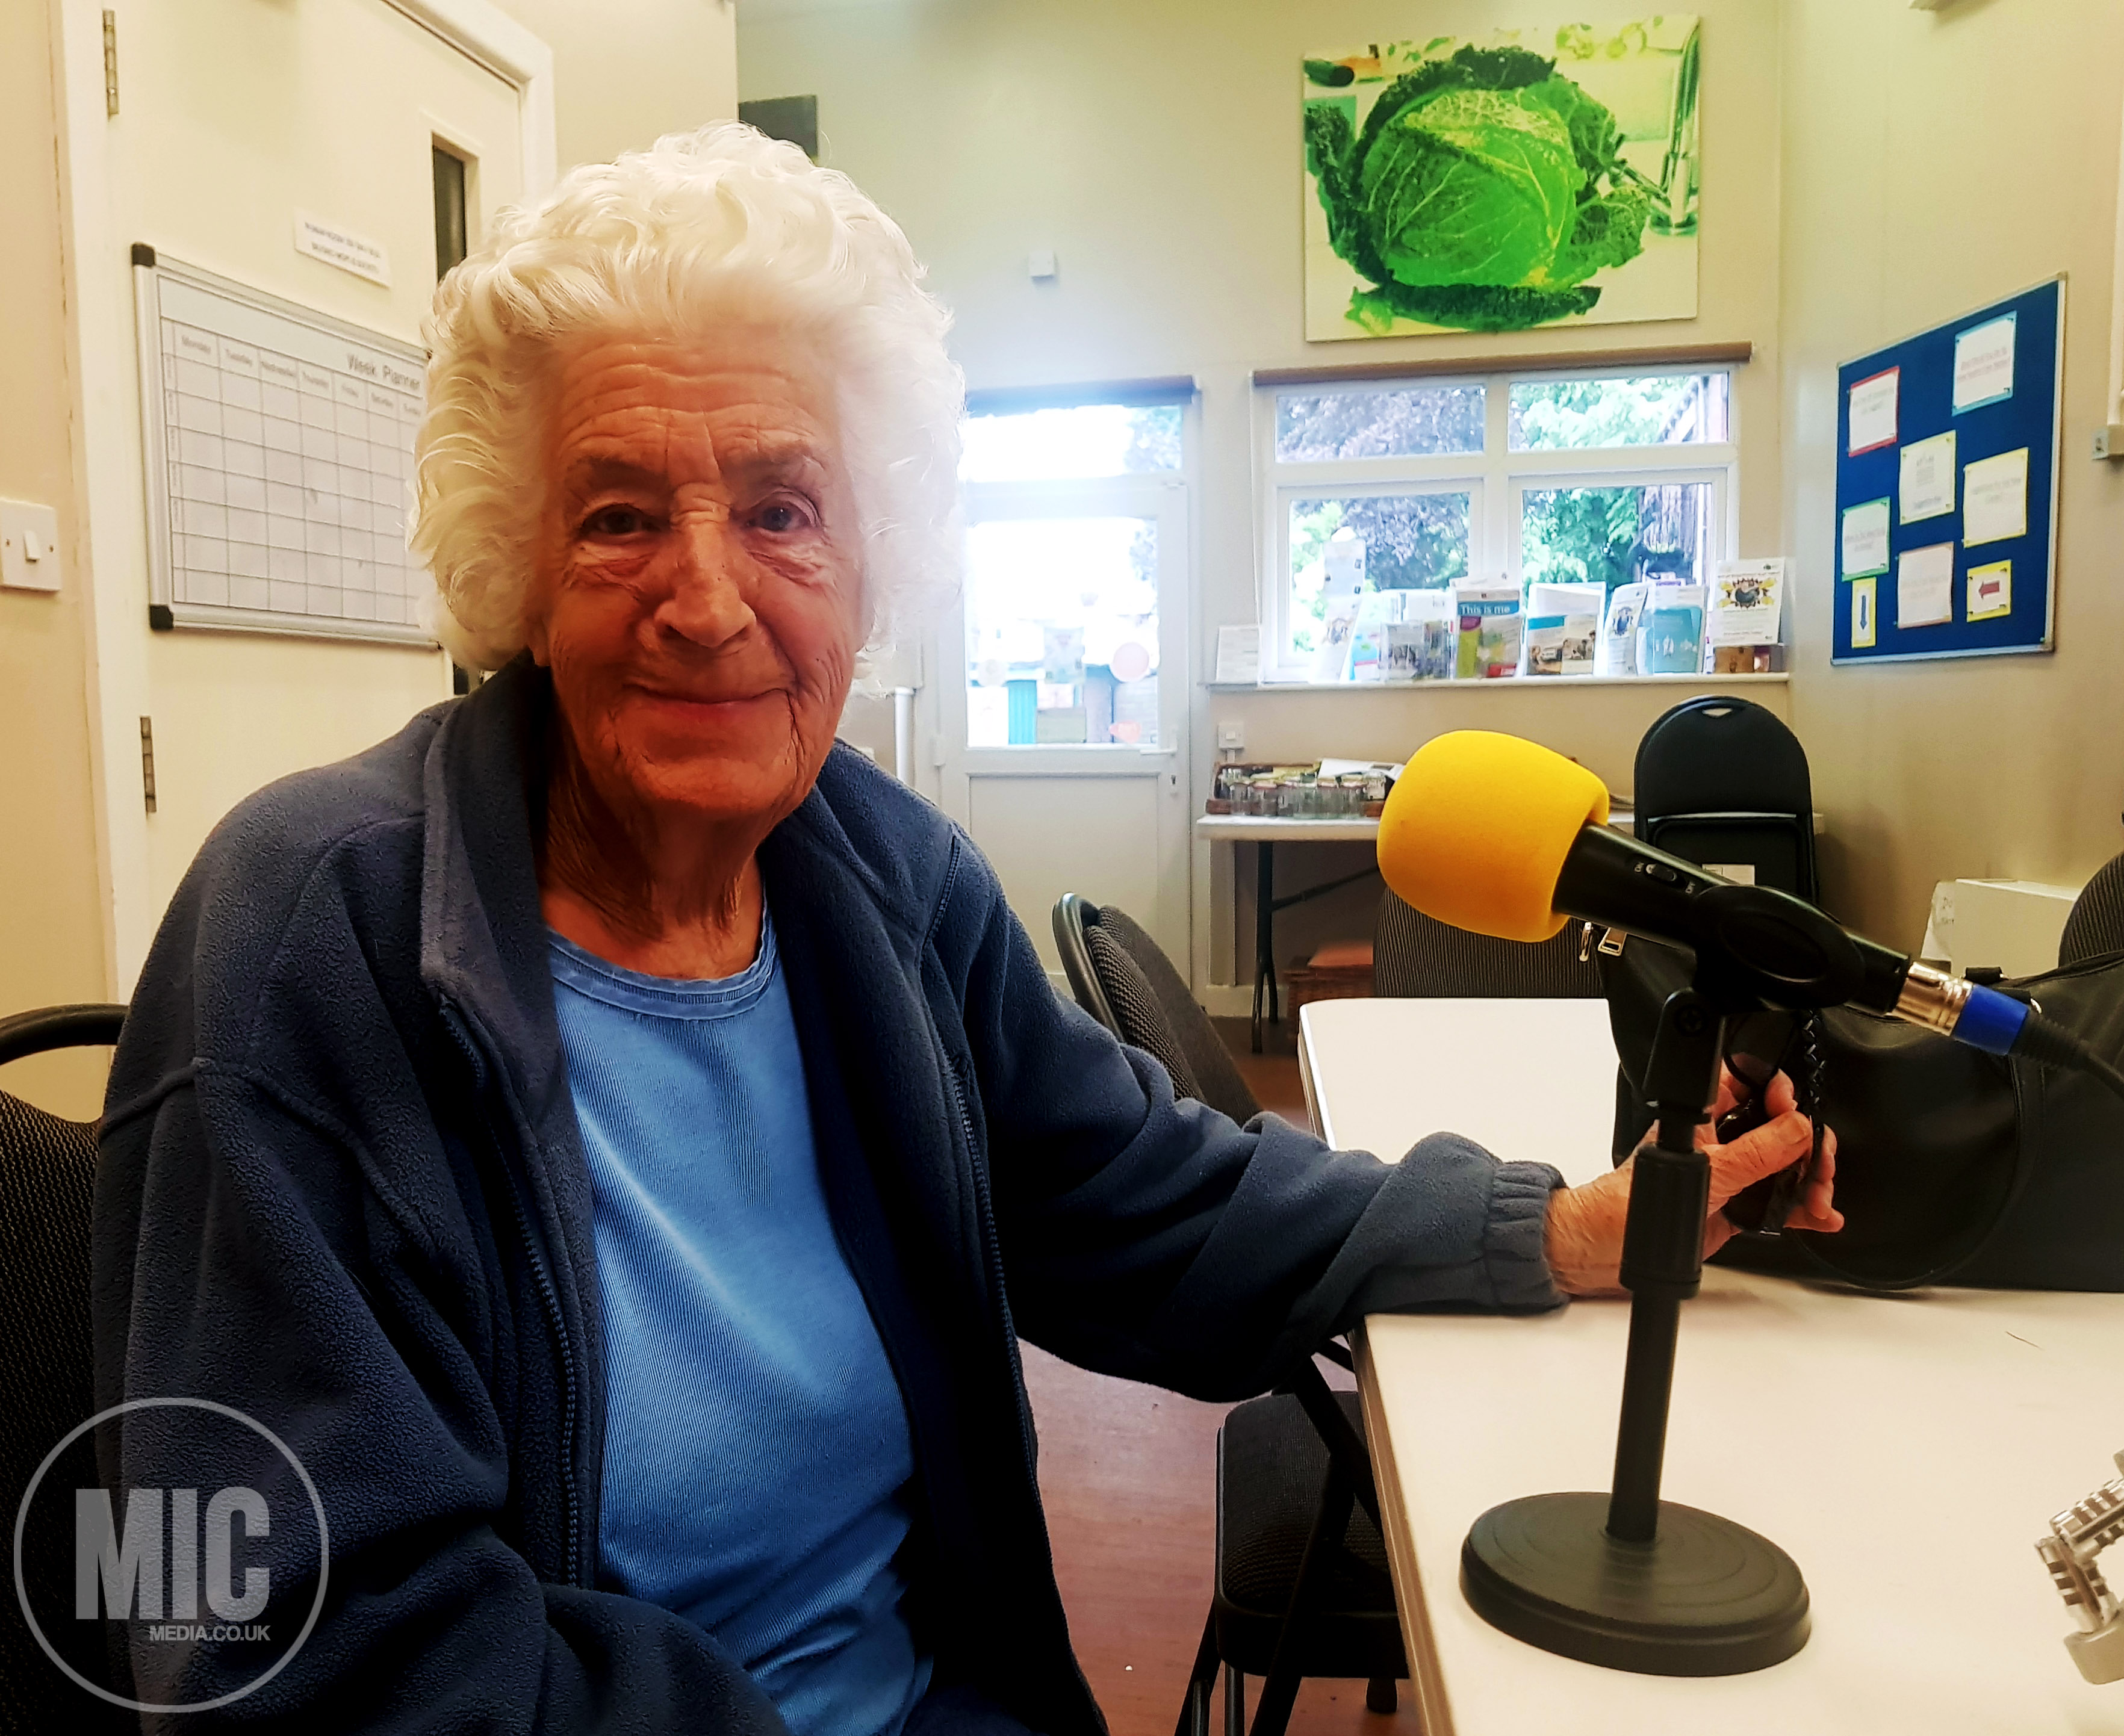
280	461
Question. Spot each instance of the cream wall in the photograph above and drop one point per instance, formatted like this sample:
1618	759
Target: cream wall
51	933
1155	146
1934	163
625	75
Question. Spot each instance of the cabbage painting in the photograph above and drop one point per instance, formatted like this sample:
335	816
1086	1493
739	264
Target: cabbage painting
1536	177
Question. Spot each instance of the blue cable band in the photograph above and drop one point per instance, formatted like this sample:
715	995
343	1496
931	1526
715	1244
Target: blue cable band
1990	1022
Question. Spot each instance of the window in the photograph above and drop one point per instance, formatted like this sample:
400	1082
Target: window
1075	520
452	233
1420	485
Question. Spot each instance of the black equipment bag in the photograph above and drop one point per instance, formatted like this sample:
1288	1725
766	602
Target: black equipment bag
1951	1165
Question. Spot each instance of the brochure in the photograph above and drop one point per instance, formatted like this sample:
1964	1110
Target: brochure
1747	600
1670	634
1424	644
1618	652
1490	631
1561	644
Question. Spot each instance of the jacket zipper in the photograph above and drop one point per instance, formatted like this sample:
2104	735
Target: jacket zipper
991	1263
549	1296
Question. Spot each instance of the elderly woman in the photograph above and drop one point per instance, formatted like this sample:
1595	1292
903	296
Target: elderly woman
616	1138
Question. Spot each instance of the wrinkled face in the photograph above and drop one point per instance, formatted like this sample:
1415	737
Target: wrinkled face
697	590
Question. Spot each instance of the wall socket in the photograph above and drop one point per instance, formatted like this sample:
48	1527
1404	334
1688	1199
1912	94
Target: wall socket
1232	735
2109	441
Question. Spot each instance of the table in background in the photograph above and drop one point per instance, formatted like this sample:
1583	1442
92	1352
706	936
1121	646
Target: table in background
1265	835
1907	1450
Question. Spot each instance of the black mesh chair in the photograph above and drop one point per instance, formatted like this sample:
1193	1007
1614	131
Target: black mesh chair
1122	978
2096	925
1302	1587
1722	782
1415	956
47	1386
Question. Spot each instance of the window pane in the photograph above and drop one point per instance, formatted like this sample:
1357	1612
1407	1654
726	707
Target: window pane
1062	632
1383	542
1087	440
1416	422
1610	536
1665	410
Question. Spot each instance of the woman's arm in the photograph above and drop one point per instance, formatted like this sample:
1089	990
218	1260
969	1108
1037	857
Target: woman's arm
1155	1238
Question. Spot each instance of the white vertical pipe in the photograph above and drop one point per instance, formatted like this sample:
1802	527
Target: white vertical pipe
902	735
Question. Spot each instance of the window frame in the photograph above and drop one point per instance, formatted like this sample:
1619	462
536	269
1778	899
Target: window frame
1495	478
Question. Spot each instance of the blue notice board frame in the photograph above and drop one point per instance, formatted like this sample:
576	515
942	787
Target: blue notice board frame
1998	423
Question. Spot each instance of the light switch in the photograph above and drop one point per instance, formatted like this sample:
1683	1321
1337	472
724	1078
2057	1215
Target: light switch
1231	733
1039	263
29	547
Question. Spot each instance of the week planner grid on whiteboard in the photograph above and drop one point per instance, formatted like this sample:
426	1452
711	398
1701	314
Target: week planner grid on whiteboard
279	456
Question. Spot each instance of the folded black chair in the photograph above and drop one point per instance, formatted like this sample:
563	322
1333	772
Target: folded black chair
1302	1587
1415	956
47	1382
1722	782
1121	978
2096	925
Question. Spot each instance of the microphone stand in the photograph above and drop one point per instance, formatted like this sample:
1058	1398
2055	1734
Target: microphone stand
1626	1579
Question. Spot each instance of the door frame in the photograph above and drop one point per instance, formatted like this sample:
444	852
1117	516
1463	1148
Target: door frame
109	555
1164	498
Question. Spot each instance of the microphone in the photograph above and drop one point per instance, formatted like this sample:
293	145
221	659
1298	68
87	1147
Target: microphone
1497	834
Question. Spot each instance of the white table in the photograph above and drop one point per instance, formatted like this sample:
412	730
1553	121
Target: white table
1905	1450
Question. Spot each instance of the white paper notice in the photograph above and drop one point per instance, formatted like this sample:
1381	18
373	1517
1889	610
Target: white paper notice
1928	478
1238	654
1984	364
1924	586
1865	538
1995	498
1874	412
343	248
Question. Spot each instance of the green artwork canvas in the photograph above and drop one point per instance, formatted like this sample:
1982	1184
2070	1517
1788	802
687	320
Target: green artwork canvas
1540	176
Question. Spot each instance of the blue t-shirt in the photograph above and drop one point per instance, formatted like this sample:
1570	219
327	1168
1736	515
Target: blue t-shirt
757	1447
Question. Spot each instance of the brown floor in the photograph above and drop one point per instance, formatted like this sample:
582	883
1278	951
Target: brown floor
1128	1474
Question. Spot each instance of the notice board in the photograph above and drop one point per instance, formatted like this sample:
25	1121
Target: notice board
1946	480
279	458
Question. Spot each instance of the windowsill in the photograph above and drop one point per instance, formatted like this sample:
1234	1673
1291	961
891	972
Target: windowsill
1511	683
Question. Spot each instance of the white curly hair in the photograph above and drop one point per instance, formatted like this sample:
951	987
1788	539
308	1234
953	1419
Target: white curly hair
700	227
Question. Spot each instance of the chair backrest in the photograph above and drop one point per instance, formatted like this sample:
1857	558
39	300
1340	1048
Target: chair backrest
47	1383
1120	976
1415	956
2096	925
1722	782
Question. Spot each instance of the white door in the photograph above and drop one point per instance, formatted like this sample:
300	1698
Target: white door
1062	686
234	117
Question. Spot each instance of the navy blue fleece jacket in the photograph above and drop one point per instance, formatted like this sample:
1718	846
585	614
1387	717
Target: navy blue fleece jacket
341	1190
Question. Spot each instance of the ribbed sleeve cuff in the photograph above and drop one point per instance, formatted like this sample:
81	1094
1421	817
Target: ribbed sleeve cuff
1513	1242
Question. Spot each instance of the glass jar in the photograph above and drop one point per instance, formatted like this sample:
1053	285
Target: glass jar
1375	786
1262	797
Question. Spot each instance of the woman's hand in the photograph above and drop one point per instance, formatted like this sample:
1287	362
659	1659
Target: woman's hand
1584	1241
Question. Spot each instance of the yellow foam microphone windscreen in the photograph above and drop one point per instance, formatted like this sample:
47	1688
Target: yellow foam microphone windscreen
1476	828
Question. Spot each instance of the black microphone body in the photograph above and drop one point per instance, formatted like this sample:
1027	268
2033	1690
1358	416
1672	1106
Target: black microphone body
1758	946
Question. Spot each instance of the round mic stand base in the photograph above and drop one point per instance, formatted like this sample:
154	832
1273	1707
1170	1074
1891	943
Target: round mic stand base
1704	1598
